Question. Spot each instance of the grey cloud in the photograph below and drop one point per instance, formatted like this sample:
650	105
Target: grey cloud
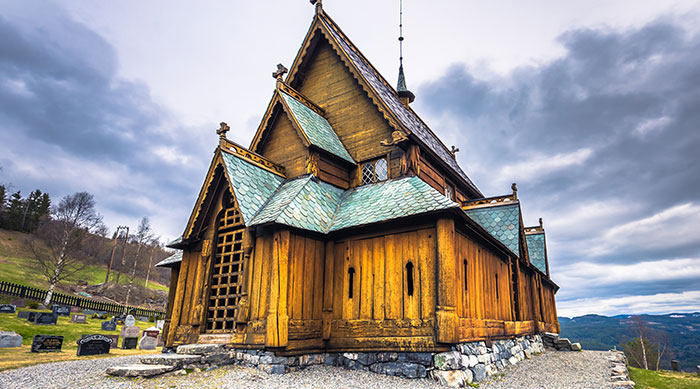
631	97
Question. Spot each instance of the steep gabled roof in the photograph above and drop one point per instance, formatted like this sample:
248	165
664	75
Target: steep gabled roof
379	90
171	260
502	221
304	202
536	250
316	129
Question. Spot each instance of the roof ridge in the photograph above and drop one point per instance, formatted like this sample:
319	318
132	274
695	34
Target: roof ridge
277	191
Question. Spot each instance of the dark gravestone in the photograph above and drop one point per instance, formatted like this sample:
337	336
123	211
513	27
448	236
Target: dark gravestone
153	333
78	318
109	326
675	366
129	343
7	308
94	345
31	316
74	309
23	314
46	343
115	340
61	310
17	303
45	318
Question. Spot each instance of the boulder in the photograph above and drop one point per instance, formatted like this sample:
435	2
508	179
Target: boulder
176	360
10	339
452	378
575	346
450	360
479	372
200	349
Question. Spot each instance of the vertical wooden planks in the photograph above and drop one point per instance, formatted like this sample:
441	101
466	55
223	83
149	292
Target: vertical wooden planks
306	265
277	317
328	289
394	283
319	261
266	266
339	281
366	285
256	274
426	264
296	278
408	256
447	322
378	259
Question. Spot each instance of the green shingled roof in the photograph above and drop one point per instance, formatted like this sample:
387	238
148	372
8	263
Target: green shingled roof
316	128
171	260
501	221
304	202
535	249
252	185
388	200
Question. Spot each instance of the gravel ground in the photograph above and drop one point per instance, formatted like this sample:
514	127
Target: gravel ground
588	369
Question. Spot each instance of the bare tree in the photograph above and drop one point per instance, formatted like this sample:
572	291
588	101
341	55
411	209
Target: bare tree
143	236
71	221
155	243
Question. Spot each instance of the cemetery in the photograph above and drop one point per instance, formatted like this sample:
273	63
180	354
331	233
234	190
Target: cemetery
33	336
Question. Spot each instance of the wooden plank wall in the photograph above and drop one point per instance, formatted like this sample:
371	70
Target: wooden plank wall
485	295
305	288
283	146
381	313
431	175
333	173
358	123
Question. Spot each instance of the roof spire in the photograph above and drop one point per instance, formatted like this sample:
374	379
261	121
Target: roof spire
405	95
318	4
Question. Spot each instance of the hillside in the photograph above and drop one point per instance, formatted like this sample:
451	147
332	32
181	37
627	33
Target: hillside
17	265
596	332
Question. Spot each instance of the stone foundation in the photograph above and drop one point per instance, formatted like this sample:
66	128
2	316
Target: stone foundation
464	364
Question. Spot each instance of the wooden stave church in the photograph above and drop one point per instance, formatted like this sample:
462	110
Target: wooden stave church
347	225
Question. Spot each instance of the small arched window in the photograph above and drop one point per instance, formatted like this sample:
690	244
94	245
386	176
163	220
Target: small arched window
497	286
351	276
465	275
409	278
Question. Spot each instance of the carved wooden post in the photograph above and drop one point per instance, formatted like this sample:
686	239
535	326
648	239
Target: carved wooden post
243	314
328	275
447	320
277	319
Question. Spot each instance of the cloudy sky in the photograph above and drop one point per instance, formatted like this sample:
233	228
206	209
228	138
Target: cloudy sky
592	107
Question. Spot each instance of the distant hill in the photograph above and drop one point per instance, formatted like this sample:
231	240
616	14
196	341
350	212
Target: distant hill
596	332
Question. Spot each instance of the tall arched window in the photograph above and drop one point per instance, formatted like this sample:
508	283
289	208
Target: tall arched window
465	275
351	276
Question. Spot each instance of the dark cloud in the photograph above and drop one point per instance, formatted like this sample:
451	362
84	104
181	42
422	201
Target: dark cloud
69	122
625	102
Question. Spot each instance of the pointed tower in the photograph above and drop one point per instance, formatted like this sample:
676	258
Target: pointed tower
405	95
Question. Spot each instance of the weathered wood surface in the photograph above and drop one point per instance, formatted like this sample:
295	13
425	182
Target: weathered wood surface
283	146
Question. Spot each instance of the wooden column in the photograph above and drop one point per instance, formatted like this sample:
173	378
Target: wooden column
277	318
327	314
243	314
447	320
174	272
178	300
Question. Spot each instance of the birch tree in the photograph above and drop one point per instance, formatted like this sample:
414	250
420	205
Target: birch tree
71	221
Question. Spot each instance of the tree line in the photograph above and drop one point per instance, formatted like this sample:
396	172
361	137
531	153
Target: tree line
66	237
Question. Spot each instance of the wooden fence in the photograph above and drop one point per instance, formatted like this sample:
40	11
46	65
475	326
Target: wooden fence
38	294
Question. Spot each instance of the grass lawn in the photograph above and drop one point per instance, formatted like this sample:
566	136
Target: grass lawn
663	379
12	358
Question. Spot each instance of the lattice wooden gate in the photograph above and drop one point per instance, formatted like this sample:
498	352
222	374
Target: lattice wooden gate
227	274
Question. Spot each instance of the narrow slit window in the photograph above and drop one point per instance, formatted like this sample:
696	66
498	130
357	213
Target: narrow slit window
465	275
497	286
409	278
351	276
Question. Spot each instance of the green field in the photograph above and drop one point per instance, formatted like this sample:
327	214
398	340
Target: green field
11	358
663	379
17	266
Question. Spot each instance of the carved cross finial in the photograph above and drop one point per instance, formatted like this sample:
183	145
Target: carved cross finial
514	187
281	71
454	152
541	224
223	130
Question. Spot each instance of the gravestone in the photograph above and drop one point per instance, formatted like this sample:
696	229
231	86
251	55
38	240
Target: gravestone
94	345
45	318
17	303
46	343
160	324
129	321
675	365
143	318
31	316
61	310
7	308
129	343
115	340
74	309
119	319
10	339
23	314
147	343
159	341
89	312
109	326
78	318
152	332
